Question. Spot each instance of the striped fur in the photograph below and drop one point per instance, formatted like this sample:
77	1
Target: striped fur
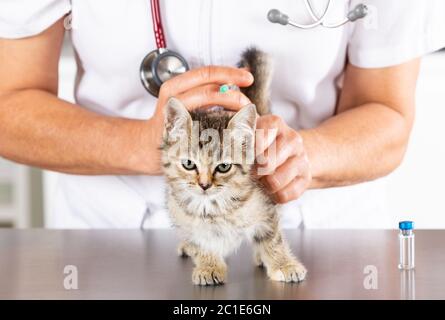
214	221
260	65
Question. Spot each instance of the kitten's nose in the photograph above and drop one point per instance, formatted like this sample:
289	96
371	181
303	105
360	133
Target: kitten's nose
204	186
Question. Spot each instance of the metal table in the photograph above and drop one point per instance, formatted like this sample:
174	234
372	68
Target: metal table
133	264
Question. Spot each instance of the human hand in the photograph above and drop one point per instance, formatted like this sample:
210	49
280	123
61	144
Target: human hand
282	162
200	87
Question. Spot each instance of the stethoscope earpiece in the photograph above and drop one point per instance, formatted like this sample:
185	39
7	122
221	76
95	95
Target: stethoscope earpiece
360	11
276	16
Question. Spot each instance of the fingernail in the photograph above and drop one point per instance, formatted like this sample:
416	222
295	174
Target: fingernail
248	77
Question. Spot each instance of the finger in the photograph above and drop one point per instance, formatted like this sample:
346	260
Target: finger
264	138
206	75
268	128
209	95
279	152
292	191
288	171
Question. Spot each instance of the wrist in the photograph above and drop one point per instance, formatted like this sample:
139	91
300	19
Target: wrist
145	158
312	142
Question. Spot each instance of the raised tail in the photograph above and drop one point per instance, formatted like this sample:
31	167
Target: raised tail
260	65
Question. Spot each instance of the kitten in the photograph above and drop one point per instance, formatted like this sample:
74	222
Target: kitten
215	200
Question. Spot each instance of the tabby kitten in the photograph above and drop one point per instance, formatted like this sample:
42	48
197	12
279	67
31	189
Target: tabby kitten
213	197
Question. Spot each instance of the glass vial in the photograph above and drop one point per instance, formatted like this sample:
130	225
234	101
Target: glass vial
406	243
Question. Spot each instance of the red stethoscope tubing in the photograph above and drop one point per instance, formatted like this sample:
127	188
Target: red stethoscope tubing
158	30
160	64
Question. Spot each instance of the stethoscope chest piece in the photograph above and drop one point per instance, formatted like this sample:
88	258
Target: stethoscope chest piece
147	74
159	66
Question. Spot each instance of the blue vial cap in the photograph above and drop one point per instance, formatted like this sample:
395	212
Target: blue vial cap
406	225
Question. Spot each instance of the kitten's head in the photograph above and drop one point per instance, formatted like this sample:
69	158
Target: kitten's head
207	156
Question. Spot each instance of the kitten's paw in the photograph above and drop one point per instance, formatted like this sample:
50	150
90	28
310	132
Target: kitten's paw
294	272
182	250
257	260
209	275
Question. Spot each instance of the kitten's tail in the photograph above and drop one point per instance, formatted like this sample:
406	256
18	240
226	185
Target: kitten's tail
260	65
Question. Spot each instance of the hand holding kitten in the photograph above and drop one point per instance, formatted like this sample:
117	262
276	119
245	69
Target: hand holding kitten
286	170
282	159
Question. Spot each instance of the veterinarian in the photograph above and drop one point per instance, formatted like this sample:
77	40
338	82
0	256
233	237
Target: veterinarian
343	100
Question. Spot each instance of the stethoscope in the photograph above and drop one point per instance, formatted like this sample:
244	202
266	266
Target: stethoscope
163	64
360	11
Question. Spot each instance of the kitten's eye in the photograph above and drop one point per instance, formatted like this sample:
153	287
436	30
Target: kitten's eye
223	167
188	164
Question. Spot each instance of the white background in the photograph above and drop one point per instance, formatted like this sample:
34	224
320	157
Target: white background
416	188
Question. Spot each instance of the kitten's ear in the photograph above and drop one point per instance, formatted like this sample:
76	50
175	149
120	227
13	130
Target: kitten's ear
244	119
177	119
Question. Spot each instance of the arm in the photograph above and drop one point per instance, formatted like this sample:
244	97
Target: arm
368	136
366	139
37	128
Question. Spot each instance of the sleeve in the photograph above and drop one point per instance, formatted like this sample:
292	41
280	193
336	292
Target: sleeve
394	32
24	18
